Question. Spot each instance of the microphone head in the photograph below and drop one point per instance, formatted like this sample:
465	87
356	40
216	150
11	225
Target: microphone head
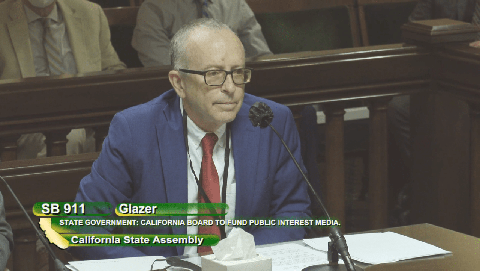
260	114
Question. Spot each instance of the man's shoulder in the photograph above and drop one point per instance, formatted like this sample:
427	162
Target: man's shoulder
82	6
5	8
150	109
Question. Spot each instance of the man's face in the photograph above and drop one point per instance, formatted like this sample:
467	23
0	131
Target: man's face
211	106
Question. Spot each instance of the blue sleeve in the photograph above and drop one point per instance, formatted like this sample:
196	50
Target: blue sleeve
109	181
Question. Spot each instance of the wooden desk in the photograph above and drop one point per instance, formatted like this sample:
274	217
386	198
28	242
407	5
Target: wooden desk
465	249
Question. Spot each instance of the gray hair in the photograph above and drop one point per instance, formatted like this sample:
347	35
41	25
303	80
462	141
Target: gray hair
178	53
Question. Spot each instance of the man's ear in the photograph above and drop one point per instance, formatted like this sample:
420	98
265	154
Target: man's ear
177	82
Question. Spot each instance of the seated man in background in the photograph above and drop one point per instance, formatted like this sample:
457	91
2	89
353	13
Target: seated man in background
6	237
159	20
53	37
146	155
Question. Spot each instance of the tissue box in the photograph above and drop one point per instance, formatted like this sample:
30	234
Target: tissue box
259	263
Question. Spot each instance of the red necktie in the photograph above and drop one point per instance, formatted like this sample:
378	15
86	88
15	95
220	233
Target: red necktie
209	182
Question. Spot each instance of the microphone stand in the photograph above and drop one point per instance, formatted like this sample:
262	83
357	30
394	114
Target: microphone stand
260	114
59	266
338	243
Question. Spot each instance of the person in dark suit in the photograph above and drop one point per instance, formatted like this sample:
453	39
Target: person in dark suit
460	10
145	158
6	237
399	108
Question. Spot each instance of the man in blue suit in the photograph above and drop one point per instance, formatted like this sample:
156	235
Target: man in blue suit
144	158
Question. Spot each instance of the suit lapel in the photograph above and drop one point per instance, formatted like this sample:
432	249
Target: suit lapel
173	155
245	146
19	33
76	33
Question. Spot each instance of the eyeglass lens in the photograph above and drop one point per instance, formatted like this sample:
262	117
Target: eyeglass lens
240	76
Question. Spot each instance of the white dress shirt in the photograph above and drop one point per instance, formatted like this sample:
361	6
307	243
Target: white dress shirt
60	35
195	136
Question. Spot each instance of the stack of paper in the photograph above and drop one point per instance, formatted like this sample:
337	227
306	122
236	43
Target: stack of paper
292	257
377	248
120	264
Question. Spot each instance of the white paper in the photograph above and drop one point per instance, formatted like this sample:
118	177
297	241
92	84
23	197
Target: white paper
377	248
292	257
120	264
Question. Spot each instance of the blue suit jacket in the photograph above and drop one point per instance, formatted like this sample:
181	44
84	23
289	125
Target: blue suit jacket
144	160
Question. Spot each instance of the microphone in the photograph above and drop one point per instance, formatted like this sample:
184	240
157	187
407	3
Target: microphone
59	266
261	114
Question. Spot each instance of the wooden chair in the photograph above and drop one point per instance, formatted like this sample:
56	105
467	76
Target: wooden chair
121	15
122	21
395	14
306	25
136	3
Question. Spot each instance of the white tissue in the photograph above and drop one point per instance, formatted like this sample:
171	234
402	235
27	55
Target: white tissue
239	245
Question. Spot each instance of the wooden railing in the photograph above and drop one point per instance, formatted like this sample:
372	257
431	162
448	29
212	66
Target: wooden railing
373	74
46	179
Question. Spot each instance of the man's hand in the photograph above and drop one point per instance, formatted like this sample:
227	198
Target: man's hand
475	44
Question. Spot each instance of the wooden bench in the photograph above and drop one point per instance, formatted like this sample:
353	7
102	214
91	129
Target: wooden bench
380	20
320	25
38	180
307	25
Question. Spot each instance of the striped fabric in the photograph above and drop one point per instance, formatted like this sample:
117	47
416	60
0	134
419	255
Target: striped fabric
52	49
204	8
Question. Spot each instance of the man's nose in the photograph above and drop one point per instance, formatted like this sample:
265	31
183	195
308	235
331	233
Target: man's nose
229	86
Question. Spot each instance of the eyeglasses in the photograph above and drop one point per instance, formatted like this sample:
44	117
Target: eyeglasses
217	77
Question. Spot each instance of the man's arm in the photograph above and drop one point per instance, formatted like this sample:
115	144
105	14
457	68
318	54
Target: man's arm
250	33
110	181
290	199
6	237
110	60
150	37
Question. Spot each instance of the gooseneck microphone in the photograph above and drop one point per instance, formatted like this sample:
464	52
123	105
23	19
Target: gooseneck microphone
59	266
261	114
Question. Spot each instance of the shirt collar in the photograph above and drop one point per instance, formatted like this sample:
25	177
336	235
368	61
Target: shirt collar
196	134
32	16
